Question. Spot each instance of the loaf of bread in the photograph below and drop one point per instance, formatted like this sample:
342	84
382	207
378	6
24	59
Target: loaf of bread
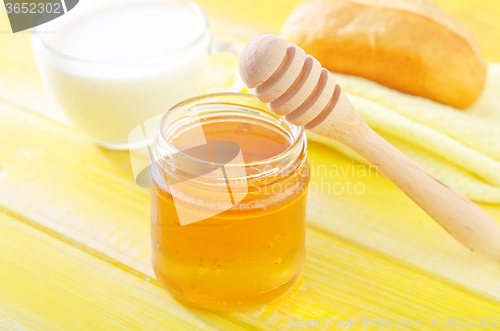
412	46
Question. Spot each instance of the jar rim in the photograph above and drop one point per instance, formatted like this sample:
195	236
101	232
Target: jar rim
198	103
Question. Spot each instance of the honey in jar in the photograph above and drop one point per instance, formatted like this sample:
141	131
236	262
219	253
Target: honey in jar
243	251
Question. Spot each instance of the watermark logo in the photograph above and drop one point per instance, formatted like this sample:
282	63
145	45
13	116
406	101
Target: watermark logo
25	14
220	160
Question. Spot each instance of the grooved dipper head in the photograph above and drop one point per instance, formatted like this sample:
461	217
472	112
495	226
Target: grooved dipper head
260	58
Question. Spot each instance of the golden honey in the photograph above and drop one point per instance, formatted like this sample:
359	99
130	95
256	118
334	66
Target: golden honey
248	252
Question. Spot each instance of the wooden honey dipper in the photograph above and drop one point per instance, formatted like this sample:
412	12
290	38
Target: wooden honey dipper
294	85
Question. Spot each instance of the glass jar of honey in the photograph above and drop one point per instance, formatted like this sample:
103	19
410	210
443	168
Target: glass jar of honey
228	207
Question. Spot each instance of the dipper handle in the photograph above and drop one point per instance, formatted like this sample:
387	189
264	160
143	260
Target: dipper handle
295	86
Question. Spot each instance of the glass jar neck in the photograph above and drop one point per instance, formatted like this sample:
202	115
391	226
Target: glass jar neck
197	162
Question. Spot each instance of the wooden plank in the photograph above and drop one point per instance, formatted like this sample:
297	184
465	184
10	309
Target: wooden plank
8	324
19	79
384	220
46	284
53	176
55	180
348	282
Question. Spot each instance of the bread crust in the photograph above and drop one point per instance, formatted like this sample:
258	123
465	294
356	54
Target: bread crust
409	45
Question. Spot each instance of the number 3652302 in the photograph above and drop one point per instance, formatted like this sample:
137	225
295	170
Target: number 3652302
33	8
471	322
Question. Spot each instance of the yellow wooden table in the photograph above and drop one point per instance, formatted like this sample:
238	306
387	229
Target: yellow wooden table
74	227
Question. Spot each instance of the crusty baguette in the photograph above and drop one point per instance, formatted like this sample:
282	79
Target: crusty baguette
412	46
